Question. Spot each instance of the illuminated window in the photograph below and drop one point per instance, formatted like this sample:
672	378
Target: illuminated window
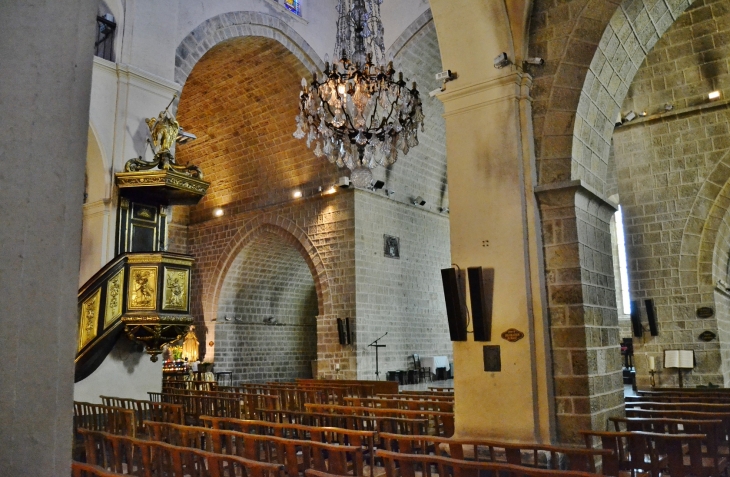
293	6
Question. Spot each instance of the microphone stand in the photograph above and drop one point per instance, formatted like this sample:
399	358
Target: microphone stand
375	345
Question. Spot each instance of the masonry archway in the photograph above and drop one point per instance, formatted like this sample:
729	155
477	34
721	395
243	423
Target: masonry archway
267	307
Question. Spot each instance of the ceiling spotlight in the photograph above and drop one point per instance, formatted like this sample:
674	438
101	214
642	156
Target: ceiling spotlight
714	95
501	61
331	190
630	116
668	107
377	185
535	61
444	210
389	192
343	182
419	201
218	212
297	194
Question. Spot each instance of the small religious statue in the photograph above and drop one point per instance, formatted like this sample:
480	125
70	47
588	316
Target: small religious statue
164	131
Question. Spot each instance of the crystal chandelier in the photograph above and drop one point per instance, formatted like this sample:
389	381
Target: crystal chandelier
358	115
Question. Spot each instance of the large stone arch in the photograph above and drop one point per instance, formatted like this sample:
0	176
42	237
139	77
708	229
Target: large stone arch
289	231
592	57
702	232
237	24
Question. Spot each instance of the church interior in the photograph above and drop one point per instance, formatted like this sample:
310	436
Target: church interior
440	227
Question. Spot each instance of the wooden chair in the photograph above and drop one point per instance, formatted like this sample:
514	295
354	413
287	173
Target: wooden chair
417	465
130	456
422	373
683	455
631	452
524	454
80	469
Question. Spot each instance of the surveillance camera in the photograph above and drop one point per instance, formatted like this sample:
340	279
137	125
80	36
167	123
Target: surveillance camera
343	182
630	116
445	76
535	61
501	61
419	201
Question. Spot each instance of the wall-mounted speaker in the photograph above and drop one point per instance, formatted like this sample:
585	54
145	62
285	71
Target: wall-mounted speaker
481	294
454	283
651	317
636	319
348	335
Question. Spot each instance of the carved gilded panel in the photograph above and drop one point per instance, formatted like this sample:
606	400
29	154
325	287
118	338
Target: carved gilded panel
114	298
89	319
142	294
175	294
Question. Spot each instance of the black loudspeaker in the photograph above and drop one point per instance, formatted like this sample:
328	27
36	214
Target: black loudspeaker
341	332
348	335
454	284
651	317
481	293
636	319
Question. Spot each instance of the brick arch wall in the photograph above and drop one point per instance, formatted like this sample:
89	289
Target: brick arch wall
267	306
240	101
231	25
253	230
592	49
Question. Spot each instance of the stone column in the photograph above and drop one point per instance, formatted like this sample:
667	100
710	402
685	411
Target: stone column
45	80
582	307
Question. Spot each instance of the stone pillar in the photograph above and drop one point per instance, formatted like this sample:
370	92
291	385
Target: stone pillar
45	81
582	307
493	224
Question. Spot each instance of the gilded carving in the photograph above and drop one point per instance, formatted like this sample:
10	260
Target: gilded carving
175	294
142	288
113	298
89	319
157	258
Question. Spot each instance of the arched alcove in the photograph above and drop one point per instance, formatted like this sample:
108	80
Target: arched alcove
267	328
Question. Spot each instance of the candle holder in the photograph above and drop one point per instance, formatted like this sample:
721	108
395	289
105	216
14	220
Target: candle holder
653	382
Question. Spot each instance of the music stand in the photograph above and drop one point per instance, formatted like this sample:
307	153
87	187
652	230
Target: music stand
375	345
680	359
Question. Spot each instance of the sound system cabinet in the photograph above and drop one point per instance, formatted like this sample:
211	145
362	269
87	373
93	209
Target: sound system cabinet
454	284
481	293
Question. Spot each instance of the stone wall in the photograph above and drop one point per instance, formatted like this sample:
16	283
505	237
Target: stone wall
267	309
402	296
670	173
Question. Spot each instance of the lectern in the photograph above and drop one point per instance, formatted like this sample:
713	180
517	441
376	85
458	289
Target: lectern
679	359
375	345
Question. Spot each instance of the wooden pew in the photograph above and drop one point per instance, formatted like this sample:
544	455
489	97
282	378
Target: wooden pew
130	456
440	423
412	404
393	424
97	417
711	429
147	411
195	406
418	397
337	459
683	455
724	417
531	455
413	465
630	452
329	435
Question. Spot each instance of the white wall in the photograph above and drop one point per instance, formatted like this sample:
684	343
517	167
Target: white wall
126	372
